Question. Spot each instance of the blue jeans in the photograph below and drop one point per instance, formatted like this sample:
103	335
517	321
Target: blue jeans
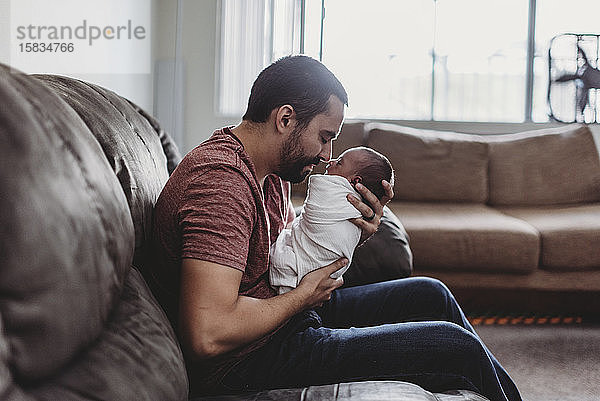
409	329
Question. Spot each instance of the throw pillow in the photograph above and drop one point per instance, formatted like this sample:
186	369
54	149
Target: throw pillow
384	256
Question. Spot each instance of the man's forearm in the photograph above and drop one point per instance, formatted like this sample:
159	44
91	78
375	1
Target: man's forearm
252	319
214	318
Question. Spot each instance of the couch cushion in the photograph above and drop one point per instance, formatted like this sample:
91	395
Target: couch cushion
352	134
135	358
131	144
544	167
66	235
433	165
570	234
446	236
384	256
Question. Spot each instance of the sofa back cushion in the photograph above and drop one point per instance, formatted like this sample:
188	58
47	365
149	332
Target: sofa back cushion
544	167
352	134
131	142
66	234
433	165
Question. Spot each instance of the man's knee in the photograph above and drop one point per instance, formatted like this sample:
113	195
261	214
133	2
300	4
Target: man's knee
463	344
441	302
434	288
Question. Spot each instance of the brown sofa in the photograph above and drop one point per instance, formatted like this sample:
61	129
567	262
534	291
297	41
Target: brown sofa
507	221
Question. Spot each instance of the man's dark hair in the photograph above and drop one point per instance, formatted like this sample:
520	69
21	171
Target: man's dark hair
300	81
374	167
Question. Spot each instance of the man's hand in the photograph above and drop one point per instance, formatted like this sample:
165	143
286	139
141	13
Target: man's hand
369	223
318	285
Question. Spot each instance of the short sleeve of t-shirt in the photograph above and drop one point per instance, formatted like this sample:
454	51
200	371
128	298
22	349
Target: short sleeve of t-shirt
217	218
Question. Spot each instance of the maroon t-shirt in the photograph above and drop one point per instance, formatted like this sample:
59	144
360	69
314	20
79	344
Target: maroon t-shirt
212	208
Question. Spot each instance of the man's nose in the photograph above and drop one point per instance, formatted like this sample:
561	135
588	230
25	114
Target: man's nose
326	151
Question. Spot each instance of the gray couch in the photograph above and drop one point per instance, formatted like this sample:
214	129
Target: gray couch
507	221
81	168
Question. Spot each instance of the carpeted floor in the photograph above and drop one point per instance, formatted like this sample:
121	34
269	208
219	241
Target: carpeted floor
549	362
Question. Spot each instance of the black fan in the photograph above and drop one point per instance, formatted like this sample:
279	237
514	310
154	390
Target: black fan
574	79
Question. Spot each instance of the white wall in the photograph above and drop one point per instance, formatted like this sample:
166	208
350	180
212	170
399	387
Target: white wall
138	88
4	31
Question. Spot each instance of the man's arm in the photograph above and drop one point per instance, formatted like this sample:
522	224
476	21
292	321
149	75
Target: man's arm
214	319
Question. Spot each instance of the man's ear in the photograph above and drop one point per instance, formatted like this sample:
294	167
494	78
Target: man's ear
285	119
355	179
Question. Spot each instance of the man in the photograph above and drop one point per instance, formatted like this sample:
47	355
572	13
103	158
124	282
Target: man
213	223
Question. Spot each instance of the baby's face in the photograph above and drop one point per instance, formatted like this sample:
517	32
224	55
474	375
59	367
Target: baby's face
345	165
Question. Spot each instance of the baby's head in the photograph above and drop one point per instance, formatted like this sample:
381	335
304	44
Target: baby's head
363	165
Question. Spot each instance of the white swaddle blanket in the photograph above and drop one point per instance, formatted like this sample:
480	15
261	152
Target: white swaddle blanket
319	236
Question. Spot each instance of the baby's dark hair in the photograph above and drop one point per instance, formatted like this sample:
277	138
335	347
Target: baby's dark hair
373	168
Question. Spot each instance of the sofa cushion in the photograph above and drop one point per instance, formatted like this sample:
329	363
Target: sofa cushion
544	167
570	234
66	234
131	144
352	134
433	165
384	256
446	236
169	147
135	358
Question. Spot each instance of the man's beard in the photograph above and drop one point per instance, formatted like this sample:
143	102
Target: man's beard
292	160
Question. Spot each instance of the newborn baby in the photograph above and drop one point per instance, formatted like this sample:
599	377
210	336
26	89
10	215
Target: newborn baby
323	233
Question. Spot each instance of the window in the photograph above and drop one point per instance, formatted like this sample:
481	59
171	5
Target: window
447	60
381	51
480	60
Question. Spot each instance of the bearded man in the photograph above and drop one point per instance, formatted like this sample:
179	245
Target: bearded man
214	221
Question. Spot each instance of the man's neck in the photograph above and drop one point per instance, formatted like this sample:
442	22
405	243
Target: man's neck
257	145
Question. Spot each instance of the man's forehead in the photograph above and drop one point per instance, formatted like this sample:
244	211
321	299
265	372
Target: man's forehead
335	111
